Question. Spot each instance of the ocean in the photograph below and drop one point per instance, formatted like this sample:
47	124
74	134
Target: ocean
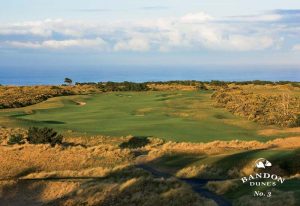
55	76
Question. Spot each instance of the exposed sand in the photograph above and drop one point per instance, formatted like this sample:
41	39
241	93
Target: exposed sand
80	103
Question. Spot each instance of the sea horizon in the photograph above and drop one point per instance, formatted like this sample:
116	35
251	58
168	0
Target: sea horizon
55	76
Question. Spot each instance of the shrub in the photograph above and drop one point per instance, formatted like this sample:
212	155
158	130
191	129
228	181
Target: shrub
201	86
135	142
270	109
44	136
297	122
16	139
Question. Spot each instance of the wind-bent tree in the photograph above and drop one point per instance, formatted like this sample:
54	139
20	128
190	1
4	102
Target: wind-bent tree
68	81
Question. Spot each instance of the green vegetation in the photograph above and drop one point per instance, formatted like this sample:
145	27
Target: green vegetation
43	136
68	81
122	86
135	142
16	139
173	115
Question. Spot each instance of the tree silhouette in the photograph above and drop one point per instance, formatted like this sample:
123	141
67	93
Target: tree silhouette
68	81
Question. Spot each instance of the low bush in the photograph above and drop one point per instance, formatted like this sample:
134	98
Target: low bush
270	109
44	136
135	142
16	139
297	122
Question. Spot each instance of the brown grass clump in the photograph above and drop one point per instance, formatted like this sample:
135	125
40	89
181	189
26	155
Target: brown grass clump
215	147
286	143
21	96
193	171
126	187
6	133
281	108
76	173
270	132
98	171
222	187
36	158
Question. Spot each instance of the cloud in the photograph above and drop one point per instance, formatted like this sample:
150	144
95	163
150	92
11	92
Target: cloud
220	39
154	7
132	45
97	43
196	18
191	32
296	47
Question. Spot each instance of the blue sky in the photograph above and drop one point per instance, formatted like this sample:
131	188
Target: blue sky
144	32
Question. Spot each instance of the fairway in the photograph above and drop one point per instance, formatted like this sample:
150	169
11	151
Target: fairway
172	115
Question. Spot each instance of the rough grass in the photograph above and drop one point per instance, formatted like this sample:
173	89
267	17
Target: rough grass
76	173
100	171
277	105
20	96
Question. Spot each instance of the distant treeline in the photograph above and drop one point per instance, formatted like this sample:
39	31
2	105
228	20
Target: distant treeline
255	82
133	86
118	86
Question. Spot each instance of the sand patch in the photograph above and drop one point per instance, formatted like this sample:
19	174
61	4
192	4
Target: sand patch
80	103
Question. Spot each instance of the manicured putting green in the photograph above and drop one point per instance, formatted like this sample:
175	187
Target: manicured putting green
178	115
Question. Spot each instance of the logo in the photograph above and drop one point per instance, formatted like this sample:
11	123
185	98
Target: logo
262	180
262	163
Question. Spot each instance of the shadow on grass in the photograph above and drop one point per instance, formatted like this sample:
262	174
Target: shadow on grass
34	122
26	172
136	185
237	160
176	161
52	122
126	183
21	193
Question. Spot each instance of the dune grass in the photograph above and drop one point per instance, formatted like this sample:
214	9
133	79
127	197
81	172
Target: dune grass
172	115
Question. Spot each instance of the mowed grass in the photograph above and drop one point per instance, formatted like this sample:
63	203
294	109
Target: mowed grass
177	116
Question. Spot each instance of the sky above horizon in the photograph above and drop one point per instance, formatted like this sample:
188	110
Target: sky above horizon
142	32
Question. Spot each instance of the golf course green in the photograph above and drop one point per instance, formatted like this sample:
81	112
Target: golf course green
172	115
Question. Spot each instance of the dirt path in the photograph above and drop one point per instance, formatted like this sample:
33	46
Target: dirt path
196	184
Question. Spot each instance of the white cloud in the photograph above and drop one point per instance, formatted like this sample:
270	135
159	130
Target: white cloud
17	44
196	18
132	45
45	28
191	32
97	43
296	47
89	43
244	43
